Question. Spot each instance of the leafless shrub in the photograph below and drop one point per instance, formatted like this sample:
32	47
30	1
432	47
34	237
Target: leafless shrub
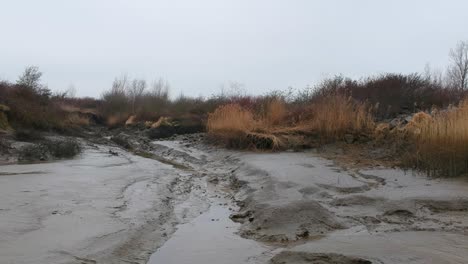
458	69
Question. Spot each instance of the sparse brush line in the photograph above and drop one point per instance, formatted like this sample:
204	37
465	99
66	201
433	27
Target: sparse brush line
329	119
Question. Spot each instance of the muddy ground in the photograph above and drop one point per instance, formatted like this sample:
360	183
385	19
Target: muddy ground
126	199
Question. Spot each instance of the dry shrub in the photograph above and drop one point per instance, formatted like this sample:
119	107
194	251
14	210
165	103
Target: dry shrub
230	118
327	119
77	120
441	142
30	109
232	124
254	140
418	122
162	121
68	108
334	116
48	149
275	113
148	124
382	132
116	120
131	120
76	109
382	129
394	93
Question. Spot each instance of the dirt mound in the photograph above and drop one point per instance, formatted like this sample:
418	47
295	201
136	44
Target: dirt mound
315	258
287	222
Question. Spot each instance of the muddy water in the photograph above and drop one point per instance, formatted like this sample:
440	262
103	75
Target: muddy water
210	238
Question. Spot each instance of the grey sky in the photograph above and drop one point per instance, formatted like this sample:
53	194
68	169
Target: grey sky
199	45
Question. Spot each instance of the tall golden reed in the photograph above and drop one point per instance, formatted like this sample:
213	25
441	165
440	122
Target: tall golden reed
334	116
442	143
230	118
329	118
275	113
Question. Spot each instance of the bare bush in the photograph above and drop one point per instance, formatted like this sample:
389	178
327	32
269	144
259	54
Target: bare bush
135	92
458	69
131	97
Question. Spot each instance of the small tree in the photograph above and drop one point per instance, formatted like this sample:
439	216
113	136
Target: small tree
31	78
458	70
160	89
115	99
135	91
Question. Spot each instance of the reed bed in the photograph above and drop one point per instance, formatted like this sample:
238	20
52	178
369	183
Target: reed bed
334	116
329	119
441	143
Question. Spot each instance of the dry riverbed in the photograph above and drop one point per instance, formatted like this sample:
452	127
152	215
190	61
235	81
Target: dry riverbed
183	201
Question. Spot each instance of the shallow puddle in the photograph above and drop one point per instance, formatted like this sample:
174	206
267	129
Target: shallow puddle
209	238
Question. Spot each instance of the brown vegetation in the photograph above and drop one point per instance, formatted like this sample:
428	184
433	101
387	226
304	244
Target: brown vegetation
325	120
441	142
334	116
375	110
391	94
33	106
29	108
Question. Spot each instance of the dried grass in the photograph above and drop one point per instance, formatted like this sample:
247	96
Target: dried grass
116	120
275	113
334	116
330	118
77	120
231	118
441	142
161	121
131	120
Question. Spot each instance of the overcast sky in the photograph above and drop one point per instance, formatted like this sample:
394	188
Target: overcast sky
199	45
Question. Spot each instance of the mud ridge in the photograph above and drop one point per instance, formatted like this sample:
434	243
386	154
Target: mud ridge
315	258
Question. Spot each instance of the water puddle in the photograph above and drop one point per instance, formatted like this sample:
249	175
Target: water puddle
209	238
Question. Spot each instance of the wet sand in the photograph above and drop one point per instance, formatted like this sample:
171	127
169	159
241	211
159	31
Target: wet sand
377	215
194	203
97	208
